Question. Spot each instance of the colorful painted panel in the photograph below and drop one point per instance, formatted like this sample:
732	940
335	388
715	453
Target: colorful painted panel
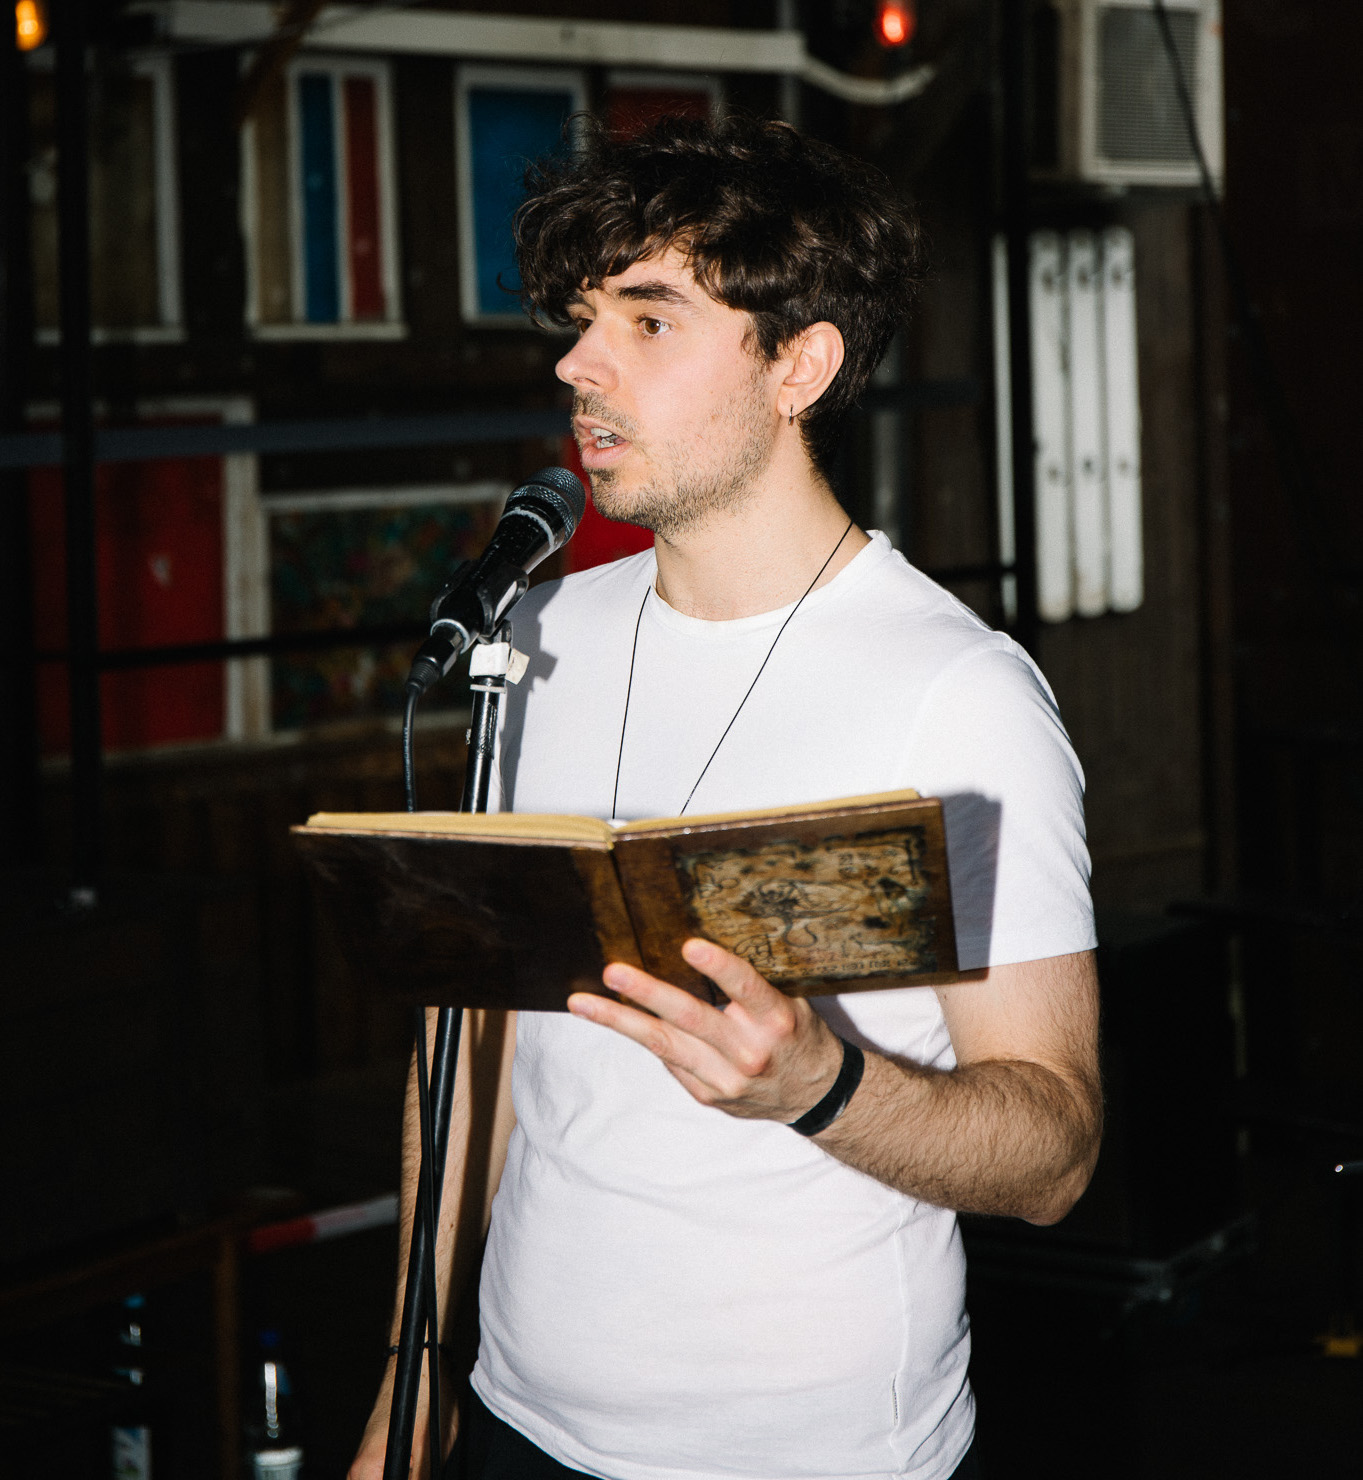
317	178
362	199
505	127
319	198
360	567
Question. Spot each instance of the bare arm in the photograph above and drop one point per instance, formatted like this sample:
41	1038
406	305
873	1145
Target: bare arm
1013	1129
481	1118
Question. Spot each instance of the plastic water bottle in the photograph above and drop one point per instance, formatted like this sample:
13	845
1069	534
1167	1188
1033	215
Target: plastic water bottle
130	1432
272	1435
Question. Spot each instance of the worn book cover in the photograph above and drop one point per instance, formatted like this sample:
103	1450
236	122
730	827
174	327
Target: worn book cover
519	910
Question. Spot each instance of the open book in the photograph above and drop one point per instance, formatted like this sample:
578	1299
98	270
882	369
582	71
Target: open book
521	909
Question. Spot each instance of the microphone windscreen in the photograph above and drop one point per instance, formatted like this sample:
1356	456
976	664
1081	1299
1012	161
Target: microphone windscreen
569	488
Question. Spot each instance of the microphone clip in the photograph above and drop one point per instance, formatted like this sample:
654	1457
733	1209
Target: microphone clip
476	606
456	575
466	612
494	661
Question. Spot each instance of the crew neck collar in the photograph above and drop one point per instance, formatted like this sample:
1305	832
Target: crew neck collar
852	574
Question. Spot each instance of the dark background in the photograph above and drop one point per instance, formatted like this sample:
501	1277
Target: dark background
197	1038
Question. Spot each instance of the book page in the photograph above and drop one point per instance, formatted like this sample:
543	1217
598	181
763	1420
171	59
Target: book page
765	814
553	827
517	827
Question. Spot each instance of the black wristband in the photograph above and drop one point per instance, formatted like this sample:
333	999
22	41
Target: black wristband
839	1097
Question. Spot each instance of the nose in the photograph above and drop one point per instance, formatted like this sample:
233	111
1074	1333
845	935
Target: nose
588	364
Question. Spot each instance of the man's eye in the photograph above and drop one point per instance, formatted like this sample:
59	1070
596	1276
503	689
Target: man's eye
580	326
652	327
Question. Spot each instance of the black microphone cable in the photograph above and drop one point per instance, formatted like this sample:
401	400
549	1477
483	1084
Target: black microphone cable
540	517
408	759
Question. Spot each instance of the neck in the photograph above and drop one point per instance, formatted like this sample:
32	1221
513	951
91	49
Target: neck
759	556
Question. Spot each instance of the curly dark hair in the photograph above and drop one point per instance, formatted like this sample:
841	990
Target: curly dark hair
784	227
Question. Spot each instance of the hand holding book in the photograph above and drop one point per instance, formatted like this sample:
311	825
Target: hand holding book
518	910
763	1056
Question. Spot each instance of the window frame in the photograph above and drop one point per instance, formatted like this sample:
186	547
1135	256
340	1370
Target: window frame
393	325
572	80
159	67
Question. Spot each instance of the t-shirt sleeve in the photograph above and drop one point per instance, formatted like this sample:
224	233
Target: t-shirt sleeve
989	741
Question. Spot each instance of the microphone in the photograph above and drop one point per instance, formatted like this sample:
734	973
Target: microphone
539	518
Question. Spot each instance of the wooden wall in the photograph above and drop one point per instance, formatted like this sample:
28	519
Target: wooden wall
1294	443
1131	687
225	813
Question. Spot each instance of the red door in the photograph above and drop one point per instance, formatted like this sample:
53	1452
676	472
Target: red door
160	581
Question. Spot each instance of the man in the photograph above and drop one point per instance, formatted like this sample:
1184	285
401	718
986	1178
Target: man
701	1262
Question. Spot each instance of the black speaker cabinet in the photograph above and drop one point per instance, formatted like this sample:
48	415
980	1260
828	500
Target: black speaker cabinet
1167	1175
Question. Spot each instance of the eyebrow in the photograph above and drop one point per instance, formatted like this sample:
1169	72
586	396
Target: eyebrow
648	292
654	293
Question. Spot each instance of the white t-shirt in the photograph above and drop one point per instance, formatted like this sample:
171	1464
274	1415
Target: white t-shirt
670	1293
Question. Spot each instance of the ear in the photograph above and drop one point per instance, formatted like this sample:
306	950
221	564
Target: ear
812	358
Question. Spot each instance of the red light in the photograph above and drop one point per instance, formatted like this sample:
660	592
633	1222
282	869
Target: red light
895	22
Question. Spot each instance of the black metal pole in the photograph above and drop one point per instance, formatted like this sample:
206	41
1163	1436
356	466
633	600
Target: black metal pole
19	774
1016	201
487	701
78	434
419	1299
416	1312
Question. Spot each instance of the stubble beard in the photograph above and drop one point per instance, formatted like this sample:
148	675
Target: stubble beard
695	493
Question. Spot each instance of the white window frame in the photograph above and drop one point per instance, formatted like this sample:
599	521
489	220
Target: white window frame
159	67
394	325
522	79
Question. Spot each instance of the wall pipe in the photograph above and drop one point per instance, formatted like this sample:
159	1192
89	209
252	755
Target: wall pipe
1015	190
78	438
20	821
396	29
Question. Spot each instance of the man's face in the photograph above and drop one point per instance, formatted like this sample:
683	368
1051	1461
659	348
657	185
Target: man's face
674	417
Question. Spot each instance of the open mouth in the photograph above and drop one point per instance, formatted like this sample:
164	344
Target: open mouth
600	445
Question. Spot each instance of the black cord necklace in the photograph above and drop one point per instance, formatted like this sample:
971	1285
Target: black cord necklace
634	652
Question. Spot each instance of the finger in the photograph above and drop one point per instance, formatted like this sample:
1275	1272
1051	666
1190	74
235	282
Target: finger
700	1069
738	979
740	1040
646	1028
758	1019
685	1054
673	1004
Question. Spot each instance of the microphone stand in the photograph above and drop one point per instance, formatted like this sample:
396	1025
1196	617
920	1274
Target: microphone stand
489	662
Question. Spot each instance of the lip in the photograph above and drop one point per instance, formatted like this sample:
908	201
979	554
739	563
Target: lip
593	456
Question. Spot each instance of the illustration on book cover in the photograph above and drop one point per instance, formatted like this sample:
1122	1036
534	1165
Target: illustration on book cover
841	907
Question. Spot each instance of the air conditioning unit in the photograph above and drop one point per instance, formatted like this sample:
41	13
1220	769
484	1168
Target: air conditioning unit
1106	103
